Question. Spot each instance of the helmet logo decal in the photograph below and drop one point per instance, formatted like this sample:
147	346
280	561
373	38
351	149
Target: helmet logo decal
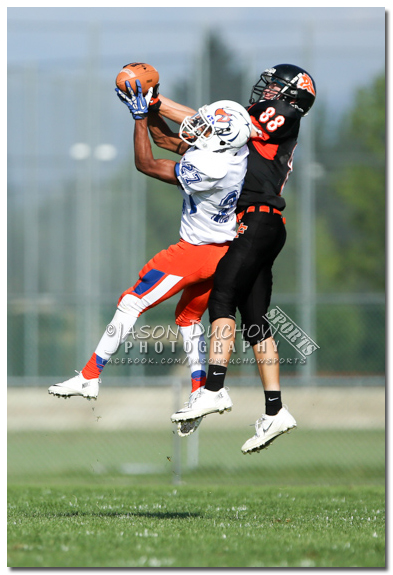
217	127
305	83
225	117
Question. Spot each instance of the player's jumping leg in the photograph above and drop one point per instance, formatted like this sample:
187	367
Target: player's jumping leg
153	287
215	399
276	420
86	383
166	274
189	312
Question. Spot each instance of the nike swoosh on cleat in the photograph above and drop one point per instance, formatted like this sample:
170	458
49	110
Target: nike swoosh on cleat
267	428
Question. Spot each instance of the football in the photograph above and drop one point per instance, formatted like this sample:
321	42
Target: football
146	74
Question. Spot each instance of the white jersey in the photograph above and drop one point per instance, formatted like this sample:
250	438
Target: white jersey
210	185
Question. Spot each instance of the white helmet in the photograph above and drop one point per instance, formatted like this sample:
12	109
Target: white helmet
217	127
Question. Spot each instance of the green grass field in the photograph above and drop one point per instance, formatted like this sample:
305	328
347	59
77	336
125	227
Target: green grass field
118	499
163	526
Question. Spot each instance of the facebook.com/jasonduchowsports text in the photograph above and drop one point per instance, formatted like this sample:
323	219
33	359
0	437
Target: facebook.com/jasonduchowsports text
164	345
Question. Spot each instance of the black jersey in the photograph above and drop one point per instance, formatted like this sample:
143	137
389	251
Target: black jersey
270	158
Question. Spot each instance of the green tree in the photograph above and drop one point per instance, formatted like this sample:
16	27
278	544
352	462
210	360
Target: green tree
351	237
219	71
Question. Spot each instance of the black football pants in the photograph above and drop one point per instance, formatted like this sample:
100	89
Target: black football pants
243	279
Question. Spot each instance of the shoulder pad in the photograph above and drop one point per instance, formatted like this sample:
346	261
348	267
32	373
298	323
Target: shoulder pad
281	106
212	165
276	119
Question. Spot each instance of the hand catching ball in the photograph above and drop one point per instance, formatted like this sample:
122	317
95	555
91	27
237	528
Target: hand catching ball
146	74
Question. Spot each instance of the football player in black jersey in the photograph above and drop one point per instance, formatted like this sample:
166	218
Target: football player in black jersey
243	279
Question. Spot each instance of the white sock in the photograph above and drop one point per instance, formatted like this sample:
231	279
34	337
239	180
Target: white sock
195	347
115	334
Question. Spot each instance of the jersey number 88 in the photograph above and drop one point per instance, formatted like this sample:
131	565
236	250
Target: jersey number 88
267	118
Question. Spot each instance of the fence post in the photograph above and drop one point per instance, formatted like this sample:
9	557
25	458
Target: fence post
193	450
177	394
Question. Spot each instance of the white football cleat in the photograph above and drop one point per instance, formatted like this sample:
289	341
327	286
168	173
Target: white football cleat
77	385
203	403
267	428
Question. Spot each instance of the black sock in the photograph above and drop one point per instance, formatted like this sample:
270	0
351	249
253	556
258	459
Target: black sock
215	377
273	402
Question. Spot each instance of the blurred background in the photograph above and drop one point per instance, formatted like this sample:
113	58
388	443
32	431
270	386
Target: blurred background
82	222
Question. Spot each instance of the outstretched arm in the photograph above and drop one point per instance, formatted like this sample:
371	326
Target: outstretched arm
163	136
145	162
177	112
174	111
163	170
160	108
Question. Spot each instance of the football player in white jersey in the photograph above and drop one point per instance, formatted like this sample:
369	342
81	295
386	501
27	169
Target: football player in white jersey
209	176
